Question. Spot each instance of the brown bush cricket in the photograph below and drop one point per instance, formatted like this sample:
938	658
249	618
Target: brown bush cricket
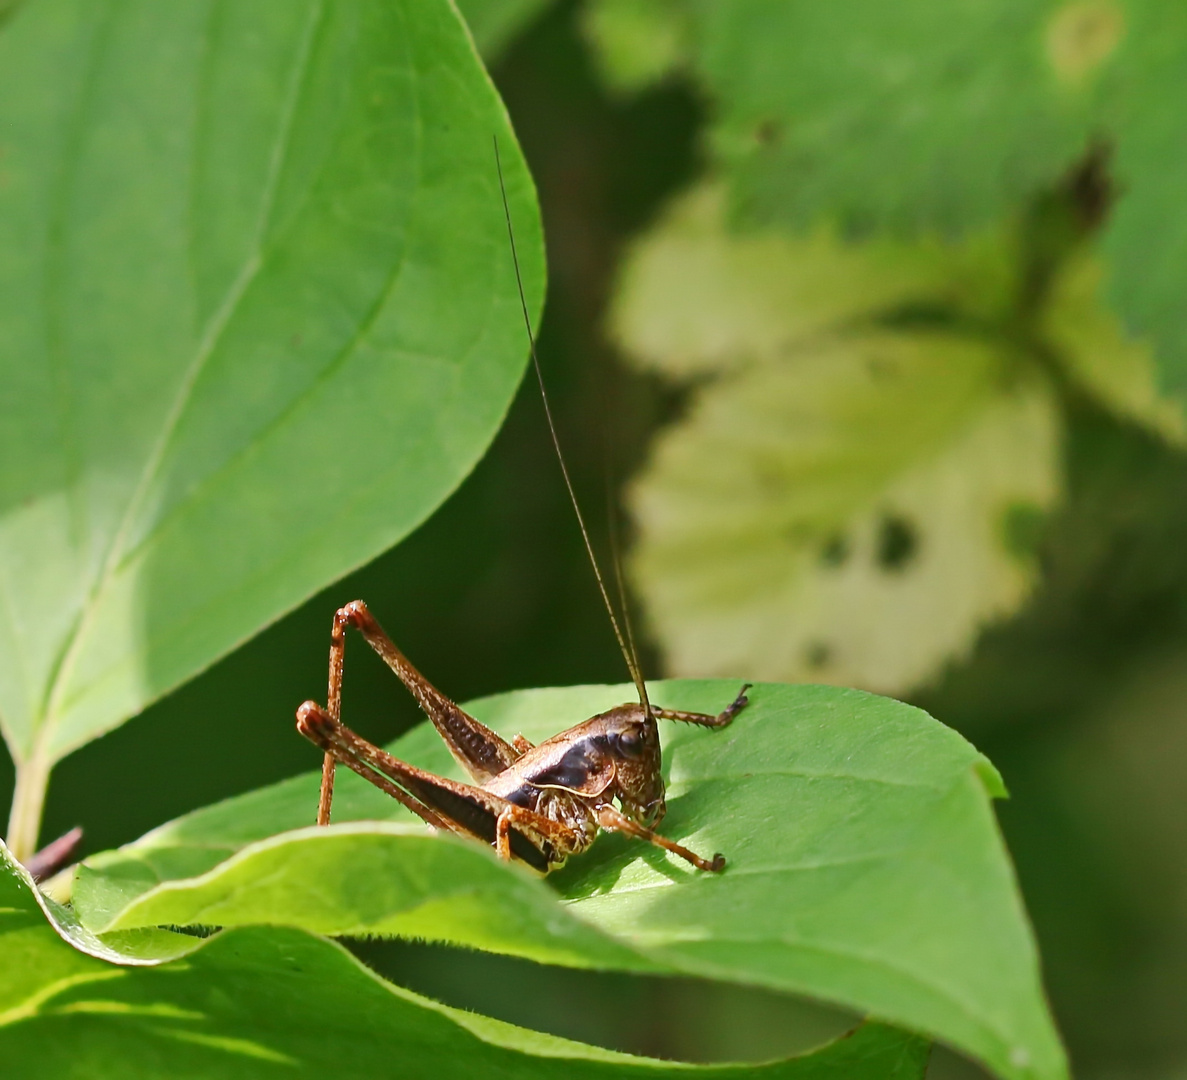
538	804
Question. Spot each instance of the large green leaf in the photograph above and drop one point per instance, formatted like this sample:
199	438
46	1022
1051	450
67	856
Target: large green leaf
865	867
257	319
832	504
357	879
268	1002
911	114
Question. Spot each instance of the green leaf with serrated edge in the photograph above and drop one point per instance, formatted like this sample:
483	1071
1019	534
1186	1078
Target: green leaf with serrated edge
696	298
843	517
900	115
257	319
495	23
864	866
1100	356
264	1002
769	516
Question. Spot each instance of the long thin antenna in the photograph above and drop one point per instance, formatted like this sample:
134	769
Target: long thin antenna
628	656
616	559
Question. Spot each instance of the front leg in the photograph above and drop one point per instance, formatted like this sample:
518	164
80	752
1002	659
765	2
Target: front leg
562	839
722	719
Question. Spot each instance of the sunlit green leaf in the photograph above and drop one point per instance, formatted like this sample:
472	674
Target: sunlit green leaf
265	1002
371	878
257	319
864	867
23	905
924	115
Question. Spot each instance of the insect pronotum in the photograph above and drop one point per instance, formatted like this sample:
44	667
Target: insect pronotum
536	804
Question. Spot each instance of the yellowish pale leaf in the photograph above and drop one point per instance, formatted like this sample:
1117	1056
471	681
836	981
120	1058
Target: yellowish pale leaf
852	516
871	444
694	298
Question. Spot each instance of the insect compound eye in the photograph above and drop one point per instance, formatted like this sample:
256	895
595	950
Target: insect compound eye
630	742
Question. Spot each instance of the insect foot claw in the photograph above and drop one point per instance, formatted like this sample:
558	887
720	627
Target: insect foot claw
735	706
718	863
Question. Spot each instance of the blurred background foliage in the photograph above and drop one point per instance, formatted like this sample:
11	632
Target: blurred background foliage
871	313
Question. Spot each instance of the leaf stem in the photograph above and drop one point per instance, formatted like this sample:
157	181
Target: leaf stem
28	801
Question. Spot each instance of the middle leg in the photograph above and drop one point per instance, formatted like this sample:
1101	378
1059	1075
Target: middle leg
611	819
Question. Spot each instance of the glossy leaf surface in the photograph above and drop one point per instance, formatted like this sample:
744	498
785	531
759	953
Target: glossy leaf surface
865	867
264	1002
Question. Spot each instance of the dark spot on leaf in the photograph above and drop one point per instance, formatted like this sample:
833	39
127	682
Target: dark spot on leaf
1090	186
767	132
835	551
1022	527
898	543
818	655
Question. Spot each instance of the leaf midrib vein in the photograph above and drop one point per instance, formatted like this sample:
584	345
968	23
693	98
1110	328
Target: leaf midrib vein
677	786
336	363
